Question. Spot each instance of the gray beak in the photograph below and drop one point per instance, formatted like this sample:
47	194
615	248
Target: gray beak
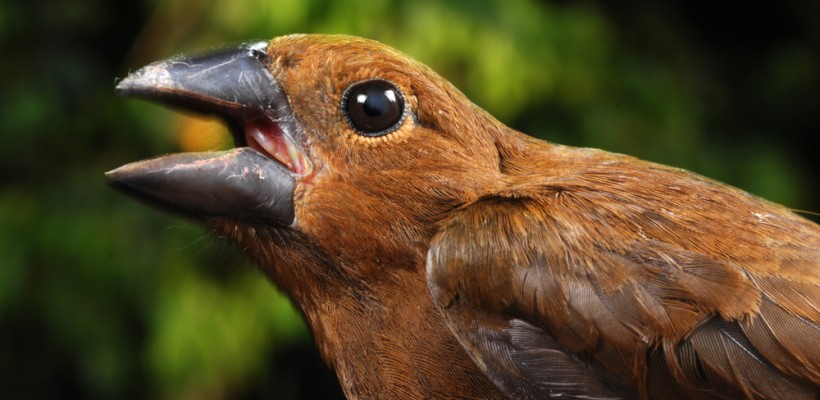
242	182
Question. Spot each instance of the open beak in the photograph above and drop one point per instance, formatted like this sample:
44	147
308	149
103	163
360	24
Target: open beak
257	179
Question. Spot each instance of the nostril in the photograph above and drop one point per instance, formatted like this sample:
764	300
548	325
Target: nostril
261	55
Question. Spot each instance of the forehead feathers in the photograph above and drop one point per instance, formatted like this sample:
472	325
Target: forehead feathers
321	67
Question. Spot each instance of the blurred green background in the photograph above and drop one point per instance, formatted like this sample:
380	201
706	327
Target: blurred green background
101	297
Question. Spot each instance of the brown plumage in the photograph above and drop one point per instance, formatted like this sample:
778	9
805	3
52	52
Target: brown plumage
436	253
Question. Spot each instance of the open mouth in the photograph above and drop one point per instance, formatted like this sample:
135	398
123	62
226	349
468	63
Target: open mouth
265	135
258	178
236	85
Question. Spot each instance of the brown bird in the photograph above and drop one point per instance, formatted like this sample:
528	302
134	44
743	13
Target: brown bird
437	253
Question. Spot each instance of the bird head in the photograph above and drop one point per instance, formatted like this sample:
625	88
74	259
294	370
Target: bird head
347	154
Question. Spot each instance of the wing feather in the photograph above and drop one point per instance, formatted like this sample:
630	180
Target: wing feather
589	295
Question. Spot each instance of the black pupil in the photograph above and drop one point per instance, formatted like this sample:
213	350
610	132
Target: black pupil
374	108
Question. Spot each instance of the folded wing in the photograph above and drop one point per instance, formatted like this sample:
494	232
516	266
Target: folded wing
565	290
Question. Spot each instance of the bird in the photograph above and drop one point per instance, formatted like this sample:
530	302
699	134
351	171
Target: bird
436	253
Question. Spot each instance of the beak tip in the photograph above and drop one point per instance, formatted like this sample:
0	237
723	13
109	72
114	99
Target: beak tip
124	86
114	176
152	78
123	177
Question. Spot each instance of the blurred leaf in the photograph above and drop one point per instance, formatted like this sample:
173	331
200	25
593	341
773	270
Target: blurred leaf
209	337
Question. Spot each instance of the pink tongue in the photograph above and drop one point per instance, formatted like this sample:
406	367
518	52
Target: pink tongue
265	136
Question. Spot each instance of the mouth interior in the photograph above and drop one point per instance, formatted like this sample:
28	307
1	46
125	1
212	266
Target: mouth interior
264	135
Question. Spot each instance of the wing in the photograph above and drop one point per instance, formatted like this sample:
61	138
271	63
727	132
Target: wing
576	291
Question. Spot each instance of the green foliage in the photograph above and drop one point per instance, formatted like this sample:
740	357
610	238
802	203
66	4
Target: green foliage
101	297
212	336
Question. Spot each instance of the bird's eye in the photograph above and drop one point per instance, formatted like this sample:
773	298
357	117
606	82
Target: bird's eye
373	108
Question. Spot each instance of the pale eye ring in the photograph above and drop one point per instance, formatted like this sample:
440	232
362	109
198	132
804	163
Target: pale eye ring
373	107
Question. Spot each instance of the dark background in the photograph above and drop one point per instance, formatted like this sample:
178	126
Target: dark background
101	297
